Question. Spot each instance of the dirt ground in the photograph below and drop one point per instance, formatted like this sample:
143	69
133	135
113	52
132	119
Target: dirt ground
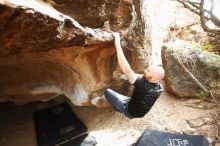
111	128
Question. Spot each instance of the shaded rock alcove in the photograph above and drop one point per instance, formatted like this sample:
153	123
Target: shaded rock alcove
45	52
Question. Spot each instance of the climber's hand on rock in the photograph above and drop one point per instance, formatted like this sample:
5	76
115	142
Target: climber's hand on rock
116	36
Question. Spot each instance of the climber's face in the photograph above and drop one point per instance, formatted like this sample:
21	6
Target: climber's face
148	74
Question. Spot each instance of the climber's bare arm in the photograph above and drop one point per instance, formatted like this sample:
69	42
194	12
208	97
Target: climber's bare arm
122	61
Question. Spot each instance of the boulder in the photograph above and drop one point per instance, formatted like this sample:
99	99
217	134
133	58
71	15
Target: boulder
69	50
205	67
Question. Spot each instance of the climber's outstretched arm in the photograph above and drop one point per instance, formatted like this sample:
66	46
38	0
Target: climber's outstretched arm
123	63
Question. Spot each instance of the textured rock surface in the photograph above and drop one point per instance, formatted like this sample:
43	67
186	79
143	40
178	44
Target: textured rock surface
45	52
204	66
69	50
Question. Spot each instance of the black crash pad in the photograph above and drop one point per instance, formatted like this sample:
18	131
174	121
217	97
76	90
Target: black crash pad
56	125
157	138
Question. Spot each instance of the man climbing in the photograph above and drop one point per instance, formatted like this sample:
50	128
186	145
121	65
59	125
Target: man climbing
147	88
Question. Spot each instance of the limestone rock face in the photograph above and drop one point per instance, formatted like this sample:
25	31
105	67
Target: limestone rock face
69	50
205	67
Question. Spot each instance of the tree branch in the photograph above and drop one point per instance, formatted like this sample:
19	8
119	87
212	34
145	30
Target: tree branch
205	15
209	93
